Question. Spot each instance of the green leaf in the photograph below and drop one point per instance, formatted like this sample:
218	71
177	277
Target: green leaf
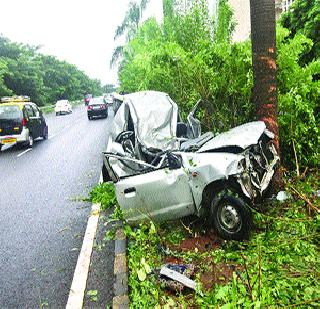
141	274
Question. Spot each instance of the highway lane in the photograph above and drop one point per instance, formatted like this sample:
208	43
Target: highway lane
43	214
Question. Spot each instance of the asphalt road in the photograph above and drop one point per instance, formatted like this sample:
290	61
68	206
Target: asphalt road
42	213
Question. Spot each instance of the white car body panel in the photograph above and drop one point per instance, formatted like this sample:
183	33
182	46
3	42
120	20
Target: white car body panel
242	136
152	130
22	137
165	196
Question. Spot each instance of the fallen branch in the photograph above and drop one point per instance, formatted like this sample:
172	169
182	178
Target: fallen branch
303	197
296	158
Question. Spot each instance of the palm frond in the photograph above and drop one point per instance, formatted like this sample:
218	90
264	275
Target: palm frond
117	53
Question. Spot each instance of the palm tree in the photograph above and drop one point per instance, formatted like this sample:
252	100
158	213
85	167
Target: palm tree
129	26
263	35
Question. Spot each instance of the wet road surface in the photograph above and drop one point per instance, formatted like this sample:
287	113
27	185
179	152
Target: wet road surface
43	214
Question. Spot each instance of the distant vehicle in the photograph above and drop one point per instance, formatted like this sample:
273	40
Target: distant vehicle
21	122
97	108
63	107
107	98
87	98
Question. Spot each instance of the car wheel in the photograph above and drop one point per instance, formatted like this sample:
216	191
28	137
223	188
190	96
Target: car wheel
30	141
0	147
45	133
231	218
57	114
89	117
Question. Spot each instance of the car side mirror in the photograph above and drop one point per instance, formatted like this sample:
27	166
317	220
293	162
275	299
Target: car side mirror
174	161
181	129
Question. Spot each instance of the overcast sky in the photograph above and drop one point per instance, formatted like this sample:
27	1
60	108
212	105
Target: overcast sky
78	31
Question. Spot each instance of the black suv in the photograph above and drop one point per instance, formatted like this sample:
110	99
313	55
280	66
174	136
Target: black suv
21	122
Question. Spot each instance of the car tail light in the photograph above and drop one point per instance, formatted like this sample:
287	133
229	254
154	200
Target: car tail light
89	107
102	106
24	122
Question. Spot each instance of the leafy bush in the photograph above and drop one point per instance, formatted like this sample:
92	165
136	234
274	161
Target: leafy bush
299	98
105	194
304	18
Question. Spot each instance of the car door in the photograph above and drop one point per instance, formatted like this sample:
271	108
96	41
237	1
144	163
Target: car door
157	194
40	121
32	122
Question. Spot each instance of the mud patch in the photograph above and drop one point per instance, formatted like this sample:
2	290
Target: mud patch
210	273
219	273
204	243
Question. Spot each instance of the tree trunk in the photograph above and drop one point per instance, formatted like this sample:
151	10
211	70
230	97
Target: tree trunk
263	34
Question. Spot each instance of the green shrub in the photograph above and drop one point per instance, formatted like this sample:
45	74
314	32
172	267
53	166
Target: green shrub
104	194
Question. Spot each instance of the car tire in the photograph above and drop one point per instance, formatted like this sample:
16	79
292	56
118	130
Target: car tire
45	133
89	117
231	218
0	147
57	113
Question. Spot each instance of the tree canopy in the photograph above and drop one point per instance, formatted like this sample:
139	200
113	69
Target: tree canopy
25	71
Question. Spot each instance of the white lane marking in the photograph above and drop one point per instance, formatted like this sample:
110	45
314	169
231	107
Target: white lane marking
24	152
80	276
79	282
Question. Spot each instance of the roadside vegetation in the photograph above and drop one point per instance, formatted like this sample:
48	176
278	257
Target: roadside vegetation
277	267
191	56
25	71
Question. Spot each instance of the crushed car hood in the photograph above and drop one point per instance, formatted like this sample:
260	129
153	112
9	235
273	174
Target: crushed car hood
241	136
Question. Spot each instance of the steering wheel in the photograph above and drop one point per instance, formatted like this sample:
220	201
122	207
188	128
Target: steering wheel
124	136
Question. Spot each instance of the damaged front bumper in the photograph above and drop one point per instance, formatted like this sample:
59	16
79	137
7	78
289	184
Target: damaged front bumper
257	169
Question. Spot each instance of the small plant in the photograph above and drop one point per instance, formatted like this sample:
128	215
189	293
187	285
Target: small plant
104	194
93	295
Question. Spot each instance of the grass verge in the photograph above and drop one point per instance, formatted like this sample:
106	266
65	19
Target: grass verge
278	267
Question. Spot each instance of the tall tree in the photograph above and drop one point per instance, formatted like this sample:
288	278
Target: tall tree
128	26
263	34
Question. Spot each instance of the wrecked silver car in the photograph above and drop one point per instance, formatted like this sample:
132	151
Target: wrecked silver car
164	169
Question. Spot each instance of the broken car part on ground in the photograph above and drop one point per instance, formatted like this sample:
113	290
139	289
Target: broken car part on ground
164	169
